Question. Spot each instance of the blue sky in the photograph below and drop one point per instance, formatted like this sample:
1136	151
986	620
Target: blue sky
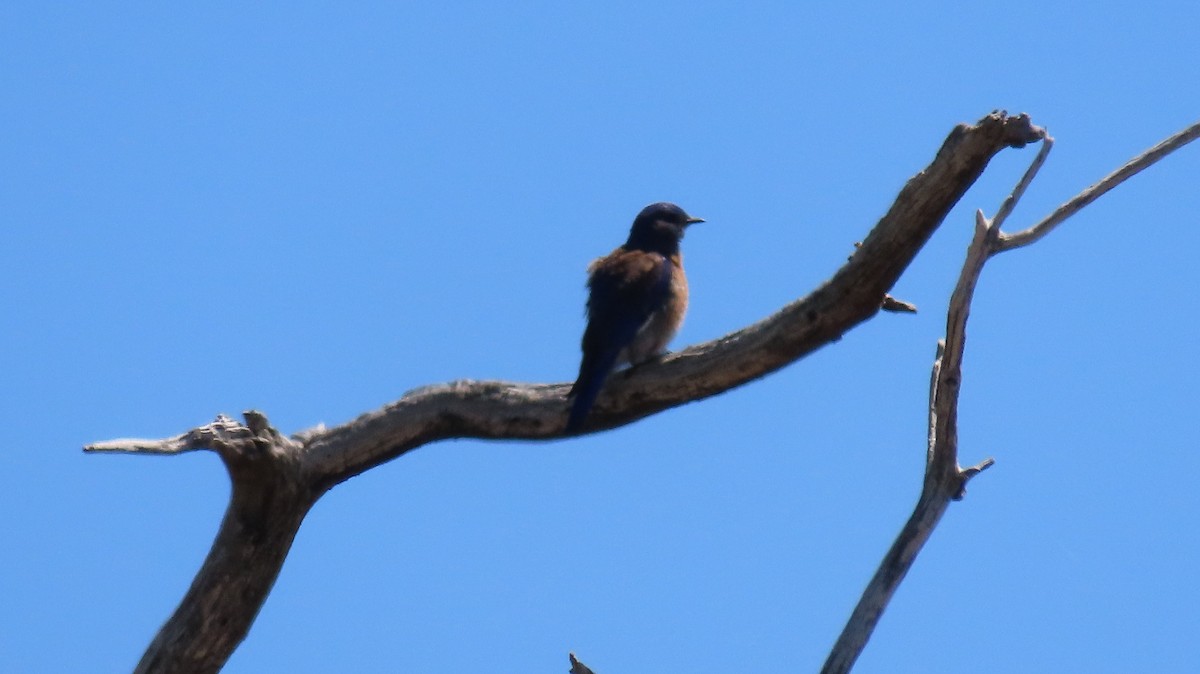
310	208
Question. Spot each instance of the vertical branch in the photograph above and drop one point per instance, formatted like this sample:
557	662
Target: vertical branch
232	585
944	480
268	502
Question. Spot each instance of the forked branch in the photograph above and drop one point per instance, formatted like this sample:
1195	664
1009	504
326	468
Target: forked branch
276	479
945	480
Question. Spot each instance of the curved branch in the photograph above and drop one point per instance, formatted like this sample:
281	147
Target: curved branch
505	410
276	479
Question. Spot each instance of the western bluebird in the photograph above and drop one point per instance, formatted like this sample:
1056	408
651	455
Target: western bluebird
638	296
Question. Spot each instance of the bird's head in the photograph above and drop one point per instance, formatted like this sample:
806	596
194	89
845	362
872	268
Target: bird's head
659	228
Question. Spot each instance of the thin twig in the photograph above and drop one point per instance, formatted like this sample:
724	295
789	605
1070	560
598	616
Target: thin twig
1131	168
210	436
175	445
897	306
1010	202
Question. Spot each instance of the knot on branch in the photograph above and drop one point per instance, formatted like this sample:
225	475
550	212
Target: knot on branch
1016	132
237	442
1021	130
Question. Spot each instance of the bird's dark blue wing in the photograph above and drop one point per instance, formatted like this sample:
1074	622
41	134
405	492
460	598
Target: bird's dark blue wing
626	288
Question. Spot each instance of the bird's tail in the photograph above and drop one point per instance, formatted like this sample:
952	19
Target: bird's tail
592	374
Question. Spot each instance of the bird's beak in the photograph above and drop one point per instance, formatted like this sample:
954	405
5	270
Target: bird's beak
692	221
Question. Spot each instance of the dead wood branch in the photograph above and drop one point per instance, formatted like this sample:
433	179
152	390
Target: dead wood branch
277	479
944	480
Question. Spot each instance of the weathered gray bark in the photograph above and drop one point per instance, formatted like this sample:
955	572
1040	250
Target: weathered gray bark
277	479
945	480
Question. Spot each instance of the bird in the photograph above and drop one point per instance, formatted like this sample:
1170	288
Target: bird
637	297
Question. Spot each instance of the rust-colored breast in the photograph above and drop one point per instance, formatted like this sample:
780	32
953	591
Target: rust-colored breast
662	325
677	304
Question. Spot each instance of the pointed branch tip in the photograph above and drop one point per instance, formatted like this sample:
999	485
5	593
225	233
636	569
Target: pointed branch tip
897	306
578	667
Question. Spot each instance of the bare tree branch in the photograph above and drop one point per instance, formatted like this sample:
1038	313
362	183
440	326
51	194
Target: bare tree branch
220	436
945	480
1010	202
505	410
268	502
897	306
1073	206
277	479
